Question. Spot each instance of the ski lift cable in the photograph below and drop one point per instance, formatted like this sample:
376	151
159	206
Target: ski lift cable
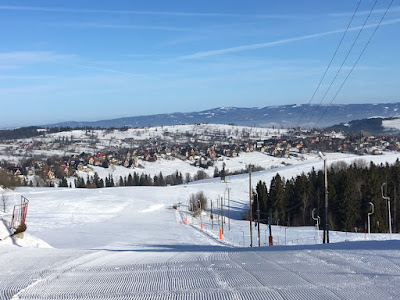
354	65
329	65
341	66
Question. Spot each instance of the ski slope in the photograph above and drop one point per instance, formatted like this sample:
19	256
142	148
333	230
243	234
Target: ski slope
129	243
355	270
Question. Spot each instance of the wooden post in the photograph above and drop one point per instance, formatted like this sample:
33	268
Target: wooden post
258	224
229	209
251	209
222	216
326	232
395	210
212	217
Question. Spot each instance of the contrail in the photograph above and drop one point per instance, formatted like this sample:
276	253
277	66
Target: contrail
278	42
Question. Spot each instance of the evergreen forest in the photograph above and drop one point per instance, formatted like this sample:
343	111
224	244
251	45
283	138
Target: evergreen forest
351	188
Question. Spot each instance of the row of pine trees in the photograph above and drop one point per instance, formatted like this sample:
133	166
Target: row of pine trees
131	180
351	188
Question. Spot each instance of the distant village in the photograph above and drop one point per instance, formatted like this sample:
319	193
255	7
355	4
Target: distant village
55	156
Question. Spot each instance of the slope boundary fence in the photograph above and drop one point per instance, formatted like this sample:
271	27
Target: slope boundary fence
19	214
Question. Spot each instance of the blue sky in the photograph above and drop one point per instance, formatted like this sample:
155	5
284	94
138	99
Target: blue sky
92	60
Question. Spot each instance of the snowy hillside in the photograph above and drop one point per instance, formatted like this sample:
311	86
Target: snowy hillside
391	124
100	213
281	115
130	243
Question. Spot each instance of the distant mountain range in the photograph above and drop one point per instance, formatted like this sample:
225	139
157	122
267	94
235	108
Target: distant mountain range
279	116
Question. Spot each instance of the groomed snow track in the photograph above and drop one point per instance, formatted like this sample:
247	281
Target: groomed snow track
342	271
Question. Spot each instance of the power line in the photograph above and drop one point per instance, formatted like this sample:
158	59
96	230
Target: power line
359	57
329	65
341	66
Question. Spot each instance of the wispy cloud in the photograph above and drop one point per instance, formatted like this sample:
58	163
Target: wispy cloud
18	59
125	26
202	54
25	77
366	12
31	57
138	12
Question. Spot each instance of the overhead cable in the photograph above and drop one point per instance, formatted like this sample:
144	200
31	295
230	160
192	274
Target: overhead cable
359	57
329	65
341	66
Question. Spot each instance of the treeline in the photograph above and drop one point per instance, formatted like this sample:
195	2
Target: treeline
134	180
32	131
224	172
351	188
8	180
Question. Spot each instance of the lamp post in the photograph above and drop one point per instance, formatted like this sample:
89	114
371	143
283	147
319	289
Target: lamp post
229	210
369	217
317	219
251	208
390	218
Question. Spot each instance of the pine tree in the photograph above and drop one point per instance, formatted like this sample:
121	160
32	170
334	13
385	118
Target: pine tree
96	181
161	179
216	172
223	172
372	193
130	180
155	180
262	194
291	199
277	198
136	179
101	183
63	182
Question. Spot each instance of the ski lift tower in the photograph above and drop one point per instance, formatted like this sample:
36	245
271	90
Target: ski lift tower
326	230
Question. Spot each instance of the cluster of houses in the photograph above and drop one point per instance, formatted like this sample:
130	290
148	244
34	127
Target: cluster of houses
200	154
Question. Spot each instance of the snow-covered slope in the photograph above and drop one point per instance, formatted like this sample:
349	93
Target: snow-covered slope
20	240
279	115
391	124
129	243
355	270
99	218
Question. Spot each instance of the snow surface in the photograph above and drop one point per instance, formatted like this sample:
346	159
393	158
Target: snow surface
354	270
113	137
301	163
20	240
395	123
129	243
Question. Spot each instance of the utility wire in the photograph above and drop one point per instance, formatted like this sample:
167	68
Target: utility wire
329	65
341	66
359	57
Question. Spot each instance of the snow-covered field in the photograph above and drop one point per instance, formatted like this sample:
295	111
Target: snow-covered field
163	132
391	124
129	243
302	163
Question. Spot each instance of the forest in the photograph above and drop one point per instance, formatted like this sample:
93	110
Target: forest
351	188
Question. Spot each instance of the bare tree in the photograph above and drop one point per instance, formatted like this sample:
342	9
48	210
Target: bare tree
197	203
4	202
